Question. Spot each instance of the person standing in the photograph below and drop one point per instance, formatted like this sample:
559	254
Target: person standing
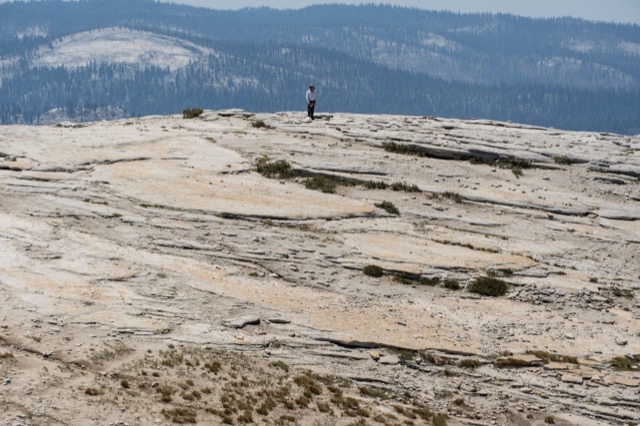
311	101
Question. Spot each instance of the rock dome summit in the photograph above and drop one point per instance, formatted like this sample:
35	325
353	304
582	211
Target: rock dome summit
359	269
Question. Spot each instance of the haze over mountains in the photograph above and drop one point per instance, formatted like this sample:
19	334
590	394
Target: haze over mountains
107	59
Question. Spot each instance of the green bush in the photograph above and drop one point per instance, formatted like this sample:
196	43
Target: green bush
488	286
451	284
401	186
405	149
413	279
623	363
469	363
388	207
378	184
551	357
322	183
373	271
190	113
260	124
280	169
440	420
181	415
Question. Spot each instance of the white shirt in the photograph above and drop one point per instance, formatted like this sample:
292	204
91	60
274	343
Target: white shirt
311	95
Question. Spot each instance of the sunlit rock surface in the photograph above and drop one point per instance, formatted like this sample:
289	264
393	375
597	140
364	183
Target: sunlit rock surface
160	229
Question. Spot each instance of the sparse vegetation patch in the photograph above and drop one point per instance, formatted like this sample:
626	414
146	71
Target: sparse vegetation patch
389	207
373	271
564	160
405	149
219	387
322	183
551	357
624	363
404	187
181	415
622	292
279	169
469	363
415	279
260	124
114	350
191	113
451	284
488	286
447	195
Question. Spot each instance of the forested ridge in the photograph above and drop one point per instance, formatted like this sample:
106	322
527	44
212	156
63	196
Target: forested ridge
564	73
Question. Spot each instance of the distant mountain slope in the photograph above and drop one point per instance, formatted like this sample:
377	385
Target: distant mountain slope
142	57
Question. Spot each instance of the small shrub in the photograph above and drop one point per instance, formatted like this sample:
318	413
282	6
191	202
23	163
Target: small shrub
166	393
411	279
280	169
470	363
622	292
322	183
401	186
623	363
388	207
375	185
405	412
190	113
436	360
281	365
517	172
115	349
124	384
507	362
303	401
423	412
440	420
564	160
450	373
213	366
515	163
451	284
93	392
453	196
405	149
550	357
323	407
373	271
260	124
245	417
180	415
550	420
374	392
488	286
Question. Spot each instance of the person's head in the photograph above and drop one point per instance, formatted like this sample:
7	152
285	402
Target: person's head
312	87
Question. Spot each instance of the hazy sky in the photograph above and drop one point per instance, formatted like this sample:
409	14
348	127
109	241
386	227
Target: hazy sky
600	10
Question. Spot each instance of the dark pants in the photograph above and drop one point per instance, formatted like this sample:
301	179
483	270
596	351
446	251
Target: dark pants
310	107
